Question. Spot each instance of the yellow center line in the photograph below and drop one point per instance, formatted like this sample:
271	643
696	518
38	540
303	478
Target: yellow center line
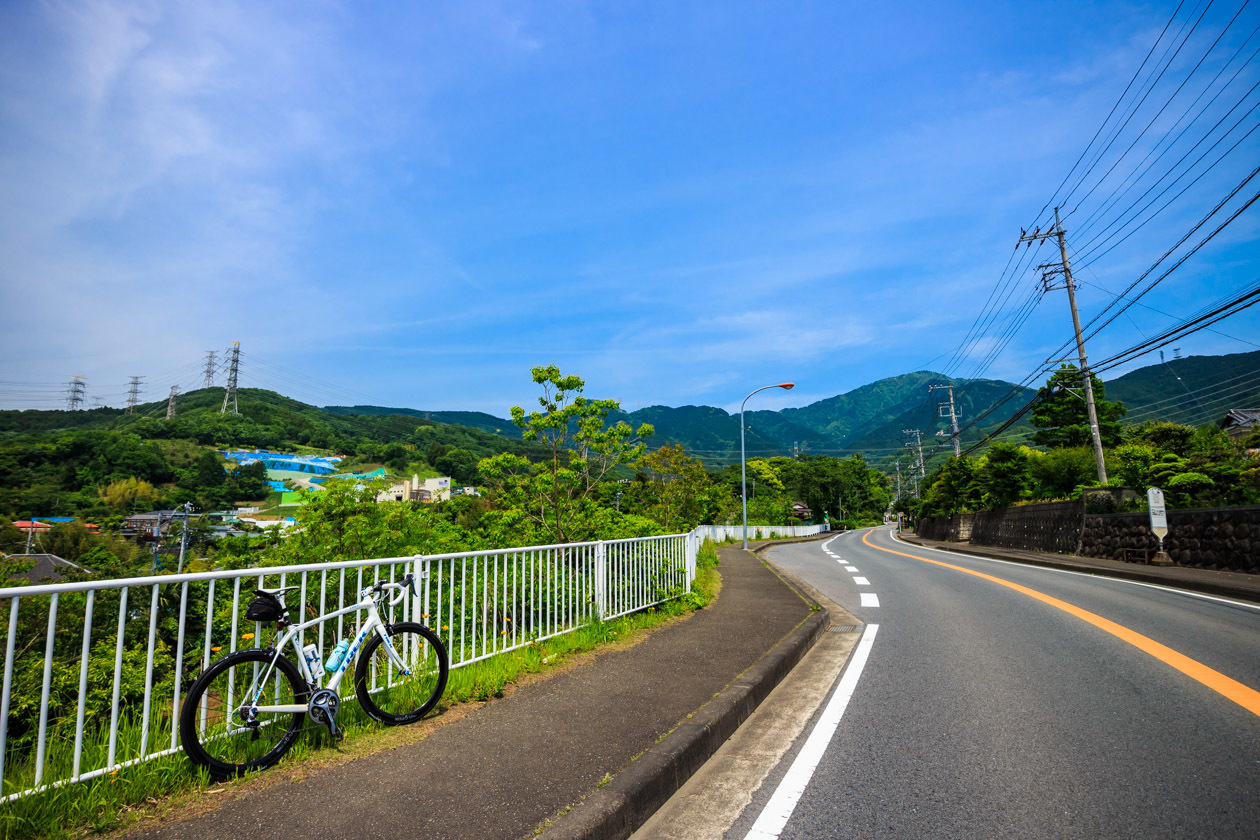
1246	697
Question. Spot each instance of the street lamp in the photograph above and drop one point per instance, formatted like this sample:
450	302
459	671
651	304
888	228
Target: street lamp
743	468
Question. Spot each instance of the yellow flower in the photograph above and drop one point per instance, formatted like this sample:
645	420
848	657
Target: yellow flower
216	648
502	632
247	636
446	627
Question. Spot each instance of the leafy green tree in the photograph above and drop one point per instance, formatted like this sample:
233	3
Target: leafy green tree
1004	475
129	495
459	464
1061	417
208	470
1058	473
554	497
953	488
679	493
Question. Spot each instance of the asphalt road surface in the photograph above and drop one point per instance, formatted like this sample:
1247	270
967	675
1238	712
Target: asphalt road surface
1000	700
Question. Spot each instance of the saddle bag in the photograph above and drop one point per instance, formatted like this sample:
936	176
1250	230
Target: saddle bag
264	608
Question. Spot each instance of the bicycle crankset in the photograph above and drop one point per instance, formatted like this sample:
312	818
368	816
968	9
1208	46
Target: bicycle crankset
323	709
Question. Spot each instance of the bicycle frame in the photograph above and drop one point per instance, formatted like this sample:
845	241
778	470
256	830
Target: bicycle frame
373	623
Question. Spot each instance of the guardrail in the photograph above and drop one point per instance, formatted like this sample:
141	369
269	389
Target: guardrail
726	533
108	659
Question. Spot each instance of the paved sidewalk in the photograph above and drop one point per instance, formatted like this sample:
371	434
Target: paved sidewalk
1238	585
648	716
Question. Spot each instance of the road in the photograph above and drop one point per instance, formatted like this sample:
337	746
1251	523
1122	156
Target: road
1000	700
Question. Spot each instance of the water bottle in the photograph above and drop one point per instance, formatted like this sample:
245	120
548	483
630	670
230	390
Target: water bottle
312	660
339	653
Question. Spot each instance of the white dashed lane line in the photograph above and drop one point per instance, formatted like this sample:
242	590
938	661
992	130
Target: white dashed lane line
861	581
870	599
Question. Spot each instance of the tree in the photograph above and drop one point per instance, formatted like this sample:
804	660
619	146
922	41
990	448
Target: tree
208	471
1056	474
953	488
679	493
553	496
1061	417
1004	475
129	494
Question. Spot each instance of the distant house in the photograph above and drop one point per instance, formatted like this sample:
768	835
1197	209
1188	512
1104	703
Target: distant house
1240	422
47	567
801	511
415	490
144	524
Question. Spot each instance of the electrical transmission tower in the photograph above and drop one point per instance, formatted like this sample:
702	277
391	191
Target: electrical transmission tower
1049	272
170	402
229	393
211	357
75	393
133	394
953	416
916	444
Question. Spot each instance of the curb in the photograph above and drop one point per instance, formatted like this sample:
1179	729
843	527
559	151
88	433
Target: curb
616	810
1208	587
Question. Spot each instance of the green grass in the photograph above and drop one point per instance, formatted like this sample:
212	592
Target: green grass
117	799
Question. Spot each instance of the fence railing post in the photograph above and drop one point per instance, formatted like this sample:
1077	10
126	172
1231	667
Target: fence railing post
692	549
601	580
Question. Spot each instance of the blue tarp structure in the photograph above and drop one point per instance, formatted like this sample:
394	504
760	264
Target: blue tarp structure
287	461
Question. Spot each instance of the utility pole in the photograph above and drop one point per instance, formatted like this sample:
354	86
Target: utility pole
953	416
1065	268
229	393
898	480
75	393
210	368
133	395
917	444
170	402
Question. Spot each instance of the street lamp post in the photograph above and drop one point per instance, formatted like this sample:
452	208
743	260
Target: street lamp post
743	467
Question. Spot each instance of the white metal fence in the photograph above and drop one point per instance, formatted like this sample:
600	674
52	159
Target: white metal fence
726	533
93	671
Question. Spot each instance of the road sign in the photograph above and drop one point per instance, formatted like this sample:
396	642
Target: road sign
1159	515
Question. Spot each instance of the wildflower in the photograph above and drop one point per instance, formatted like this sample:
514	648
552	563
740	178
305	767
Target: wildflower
446	627
502	632
216	648
247	636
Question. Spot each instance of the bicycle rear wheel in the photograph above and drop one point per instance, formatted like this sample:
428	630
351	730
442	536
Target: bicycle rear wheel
388	694
219	724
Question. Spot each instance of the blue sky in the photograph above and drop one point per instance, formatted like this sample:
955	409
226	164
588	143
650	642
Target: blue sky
411	204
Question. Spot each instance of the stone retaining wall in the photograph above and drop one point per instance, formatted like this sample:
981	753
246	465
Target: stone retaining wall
1209	538
1049	526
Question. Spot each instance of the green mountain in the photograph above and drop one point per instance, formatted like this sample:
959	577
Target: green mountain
1194	390
471	419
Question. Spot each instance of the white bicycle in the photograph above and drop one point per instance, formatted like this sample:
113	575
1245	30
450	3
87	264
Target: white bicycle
248	708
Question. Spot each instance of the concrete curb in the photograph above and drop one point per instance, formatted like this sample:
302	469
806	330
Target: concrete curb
616	810
1206	586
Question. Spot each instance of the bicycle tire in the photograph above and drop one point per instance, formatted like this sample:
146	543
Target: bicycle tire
214	736
387	695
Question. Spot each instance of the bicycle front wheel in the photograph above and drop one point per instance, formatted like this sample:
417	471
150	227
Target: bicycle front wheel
221	725
391	694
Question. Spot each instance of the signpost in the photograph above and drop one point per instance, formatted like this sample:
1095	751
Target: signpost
1159	523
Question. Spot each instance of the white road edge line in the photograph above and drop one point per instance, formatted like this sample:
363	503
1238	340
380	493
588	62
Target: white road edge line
861	581
852	569
778	810
1189	592
870	599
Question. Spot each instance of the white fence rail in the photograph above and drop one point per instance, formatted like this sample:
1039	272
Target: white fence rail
726	533
108	660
